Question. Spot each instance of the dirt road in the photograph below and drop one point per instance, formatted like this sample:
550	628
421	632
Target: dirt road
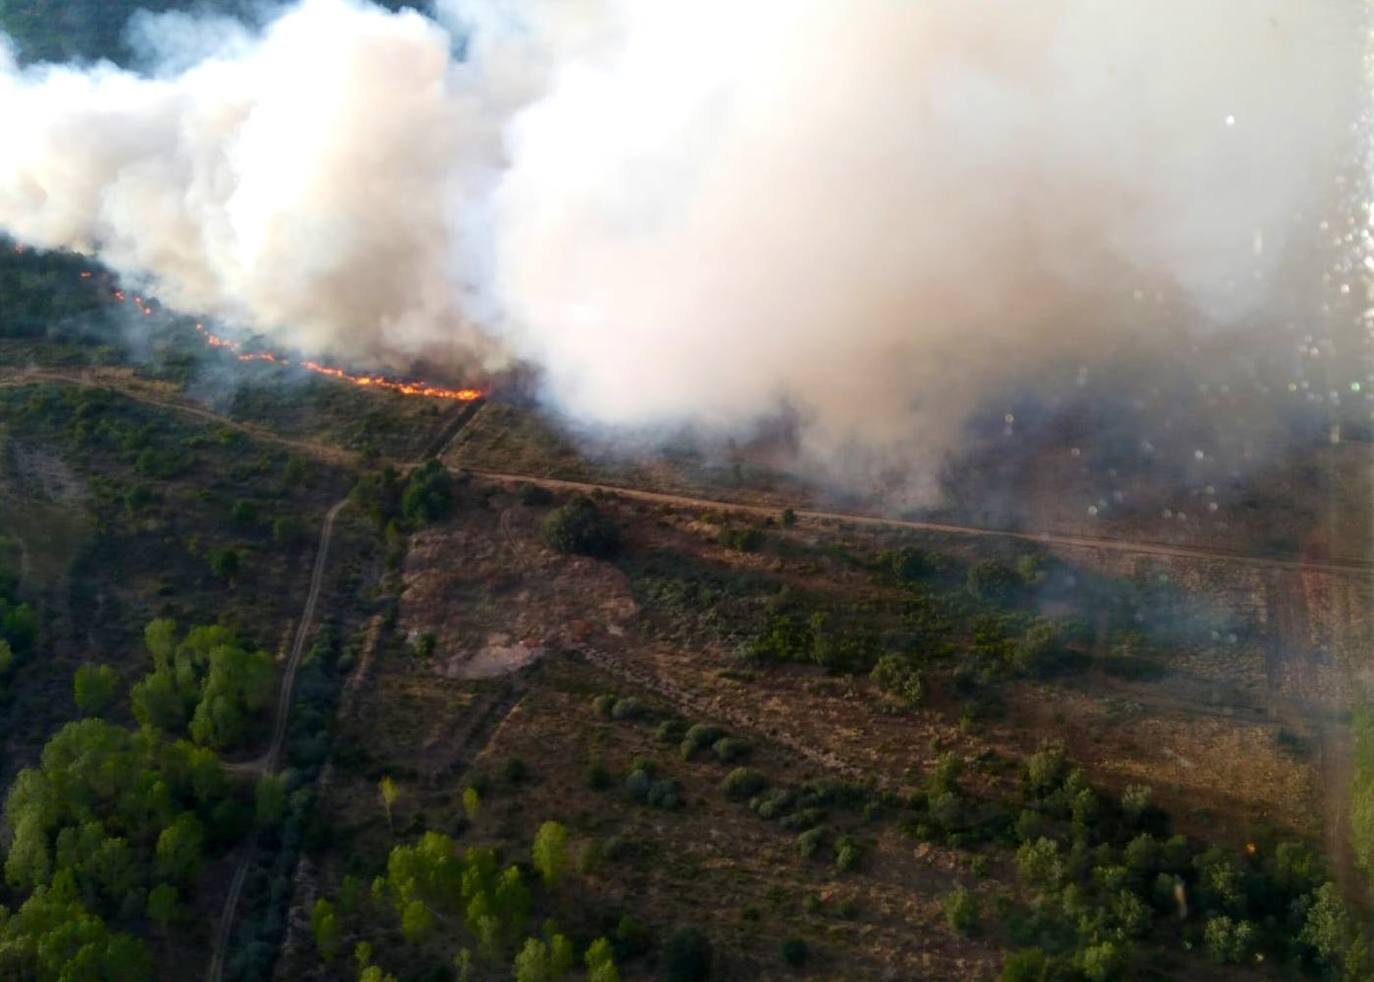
269	761
1044	538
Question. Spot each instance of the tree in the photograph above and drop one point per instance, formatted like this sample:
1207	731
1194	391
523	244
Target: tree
1228	940
532	962
893	674
179	848
550	854
325	925
472	803
6	658
237	686
560	956
158	703
687	955
93	687
52	936
162	906
269	801
160	638
600	961
580	527
224	563
992	581
386	787
428	496
417	921
794	952
961	910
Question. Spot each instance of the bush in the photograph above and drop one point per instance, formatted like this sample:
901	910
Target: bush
687	956
743	782
699	737
1026	965
94	687
669	731
809	842
846	854
630	708
794	952
637	783
428	495
1046	769
515	771
663	794
1135	798
740	539
579	527
961	910
1228	940
893	674
532	495
604	704
598	778
729	749
991	581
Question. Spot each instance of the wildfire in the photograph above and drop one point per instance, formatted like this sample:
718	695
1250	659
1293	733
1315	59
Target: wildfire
363	381
424	389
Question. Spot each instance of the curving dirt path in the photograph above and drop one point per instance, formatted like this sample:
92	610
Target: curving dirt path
1043	538
142	393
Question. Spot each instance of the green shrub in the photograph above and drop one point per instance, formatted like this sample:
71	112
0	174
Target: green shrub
809	842
1135	798
580	527
961	910
637	783
728	749
699	737
743	782
532	495
428	495
604	704
893	674
93	687
794	952
515	771
598	777
687	956
1026	965
663	794
669	731
740	539
628	708
846	854
1046	769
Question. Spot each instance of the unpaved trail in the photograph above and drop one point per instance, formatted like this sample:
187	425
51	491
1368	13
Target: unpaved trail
142	393
268	763
1042	538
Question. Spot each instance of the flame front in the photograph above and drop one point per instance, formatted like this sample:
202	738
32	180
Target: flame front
363	381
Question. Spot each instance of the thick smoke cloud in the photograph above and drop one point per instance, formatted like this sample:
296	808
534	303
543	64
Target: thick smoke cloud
870	214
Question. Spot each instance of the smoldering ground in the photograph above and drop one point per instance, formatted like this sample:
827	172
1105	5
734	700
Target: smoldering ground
883	220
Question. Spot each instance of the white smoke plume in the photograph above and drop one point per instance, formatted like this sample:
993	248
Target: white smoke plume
870	213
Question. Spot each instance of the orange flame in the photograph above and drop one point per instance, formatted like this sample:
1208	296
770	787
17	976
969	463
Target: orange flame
364	381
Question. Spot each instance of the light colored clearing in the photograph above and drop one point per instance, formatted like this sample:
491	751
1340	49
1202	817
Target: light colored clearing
499	656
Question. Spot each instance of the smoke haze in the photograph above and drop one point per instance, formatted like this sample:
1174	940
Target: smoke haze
870	215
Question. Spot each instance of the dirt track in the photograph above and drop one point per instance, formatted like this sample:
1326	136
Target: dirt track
1043	538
